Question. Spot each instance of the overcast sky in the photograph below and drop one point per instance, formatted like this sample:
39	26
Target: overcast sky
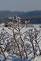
20	5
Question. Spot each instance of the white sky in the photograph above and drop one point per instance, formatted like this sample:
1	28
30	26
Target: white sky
20	5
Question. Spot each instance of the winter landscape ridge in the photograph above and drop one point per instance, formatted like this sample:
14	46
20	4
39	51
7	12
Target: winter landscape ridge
20	30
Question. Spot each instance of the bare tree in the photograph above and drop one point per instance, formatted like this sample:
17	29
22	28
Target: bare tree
21	44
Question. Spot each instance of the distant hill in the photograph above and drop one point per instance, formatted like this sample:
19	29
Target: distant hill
16	13
35	15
